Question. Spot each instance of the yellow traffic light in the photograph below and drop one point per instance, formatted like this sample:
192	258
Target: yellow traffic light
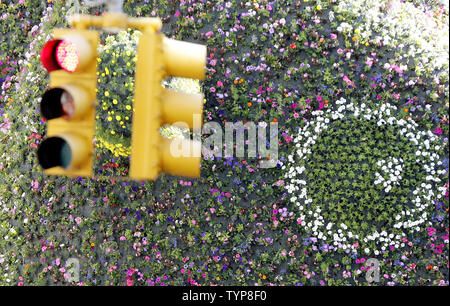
69	105
159	57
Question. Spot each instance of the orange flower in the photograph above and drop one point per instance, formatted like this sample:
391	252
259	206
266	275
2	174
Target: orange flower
249	103
275	120
92	244
406	110
235	81
240	81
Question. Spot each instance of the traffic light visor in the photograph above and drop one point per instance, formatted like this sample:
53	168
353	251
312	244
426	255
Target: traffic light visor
53	152
48	55
51	106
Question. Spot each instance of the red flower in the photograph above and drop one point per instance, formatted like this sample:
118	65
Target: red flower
293	46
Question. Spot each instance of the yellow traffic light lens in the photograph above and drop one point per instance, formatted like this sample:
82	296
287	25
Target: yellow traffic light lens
56	103
54	152
67	56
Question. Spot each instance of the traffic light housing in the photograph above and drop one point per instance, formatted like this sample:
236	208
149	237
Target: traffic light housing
69	105
151	154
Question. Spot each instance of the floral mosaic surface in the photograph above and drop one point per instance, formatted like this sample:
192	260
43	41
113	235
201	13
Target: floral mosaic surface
359	90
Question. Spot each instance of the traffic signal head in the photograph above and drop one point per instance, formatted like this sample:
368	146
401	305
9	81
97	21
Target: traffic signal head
69	104
159	57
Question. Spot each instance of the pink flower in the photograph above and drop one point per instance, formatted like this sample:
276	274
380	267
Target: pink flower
438	130
333	36
340	51
369	61
219	83
347	80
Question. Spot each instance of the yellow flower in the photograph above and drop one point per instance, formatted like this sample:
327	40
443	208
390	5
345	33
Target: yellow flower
106	70
114	101
128	107
106	93
118	118
112	132
128	64
109	118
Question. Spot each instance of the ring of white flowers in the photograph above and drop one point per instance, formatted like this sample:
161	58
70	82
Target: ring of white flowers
413	218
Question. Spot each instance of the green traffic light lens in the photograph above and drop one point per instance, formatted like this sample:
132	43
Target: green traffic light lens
54	152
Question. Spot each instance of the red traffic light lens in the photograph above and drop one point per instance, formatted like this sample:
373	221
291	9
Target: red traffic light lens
67	56
60	54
